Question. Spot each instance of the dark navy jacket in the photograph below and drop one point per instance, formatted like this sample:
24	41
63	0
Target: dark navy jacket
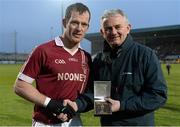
137	82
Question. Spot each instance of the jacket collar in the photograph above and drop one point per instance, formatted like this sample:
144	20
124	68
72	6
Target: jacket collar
124	47
128	42
109	54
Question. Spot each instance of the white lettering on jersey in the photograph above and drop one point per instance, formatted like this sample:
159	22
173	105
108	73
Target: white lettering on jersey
60	61
71	76
73	59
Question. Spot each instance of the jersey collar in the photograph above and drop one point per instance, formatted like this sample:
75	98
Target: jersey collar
59	42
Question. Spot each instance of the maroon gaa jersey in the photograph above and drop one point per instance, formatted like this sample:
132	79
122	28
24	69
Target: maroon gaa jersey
58	74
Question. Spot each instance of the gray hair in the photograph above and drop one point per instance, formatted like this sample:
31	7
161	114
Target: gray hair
108	13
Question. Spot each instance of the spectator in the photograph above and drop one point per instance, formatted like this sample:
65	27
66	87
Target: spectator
168	67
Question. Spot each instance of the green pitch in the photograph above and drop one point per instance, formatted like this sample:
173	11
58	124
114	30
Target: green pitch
15	111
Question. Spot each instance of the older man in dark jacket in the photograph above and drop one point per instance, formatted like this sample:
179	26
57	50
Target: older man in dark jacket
138	85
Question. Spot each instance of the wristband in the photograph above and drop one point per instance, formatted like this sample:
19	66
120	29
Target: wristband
47	100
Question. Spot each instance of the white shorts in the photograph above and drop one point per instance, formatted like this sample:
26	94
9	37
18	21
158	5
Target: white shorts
76	121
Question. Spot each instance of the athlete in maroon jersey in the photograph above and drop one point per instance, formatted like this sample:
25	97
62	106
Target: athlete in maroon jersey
61	70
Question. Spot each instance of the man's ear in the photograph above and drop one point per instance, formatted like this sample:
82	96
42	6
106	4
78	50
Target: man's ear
64	23
129	28
88	27
101	31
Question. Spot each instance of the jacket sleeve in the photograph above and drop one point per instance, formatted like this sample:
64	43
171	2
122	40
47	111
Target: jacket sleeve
85	101
153	93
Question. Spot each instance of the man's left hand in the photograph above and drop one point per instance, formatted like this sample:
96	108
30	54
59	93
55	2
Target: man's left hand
115	104
71	103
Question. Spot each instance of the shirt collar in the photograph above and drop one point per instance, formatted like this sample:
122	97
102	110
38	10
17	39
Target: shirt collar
59	42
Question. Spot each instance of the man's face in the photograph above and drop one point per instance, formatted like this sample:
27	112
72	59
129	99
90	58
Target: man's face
115	29
76	27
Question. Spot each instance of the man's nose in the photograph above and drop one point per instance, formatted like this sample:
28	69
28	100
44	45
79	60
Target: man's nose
114	31
79	27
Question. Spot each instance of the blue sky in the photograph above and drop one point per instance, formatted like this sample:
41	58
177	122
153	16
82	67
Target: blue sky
37	21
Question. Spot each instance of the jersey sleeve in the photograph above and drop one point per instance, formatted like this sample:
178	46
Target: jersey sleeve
32	66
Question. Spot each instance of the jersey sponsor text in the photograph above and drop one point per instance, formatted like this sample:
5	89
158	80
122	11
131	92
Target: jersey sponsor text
72	76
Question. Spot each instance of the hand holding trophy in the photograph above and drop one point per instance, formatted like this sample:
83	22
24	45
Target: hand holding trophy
102	90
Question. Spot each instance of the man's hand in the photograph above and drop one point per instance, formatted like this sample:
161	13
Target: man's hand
71	103
63	117
55	106
69	111
115	104
63	111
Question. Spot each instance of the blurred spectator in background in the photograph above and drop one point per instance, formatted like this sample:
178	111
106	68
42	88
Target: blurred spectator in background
168	67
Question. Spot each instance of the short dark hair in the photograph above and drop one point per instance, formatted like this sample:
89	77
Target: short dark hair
79	7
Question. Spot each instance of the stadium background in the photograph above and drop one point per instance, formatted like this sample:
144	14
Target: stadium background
165	40
15	111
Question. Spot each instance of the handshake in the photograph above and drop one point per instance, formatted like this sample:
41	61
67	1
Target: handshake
57	107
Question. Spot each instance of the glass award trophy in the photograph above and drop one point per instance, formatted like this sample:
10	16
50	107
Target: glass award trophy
102	89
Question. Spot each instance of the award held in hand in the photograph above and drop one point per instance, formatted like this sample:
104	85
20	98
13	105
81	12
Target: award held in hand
102	89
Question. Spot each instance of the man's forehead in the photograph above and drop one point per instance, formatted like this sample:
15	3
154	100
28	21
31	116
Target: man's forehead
76	15
79	13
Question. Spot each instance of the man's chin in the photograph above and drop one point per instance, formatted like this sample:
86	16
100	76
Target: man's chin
116	43
77	40
113	43
77	37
